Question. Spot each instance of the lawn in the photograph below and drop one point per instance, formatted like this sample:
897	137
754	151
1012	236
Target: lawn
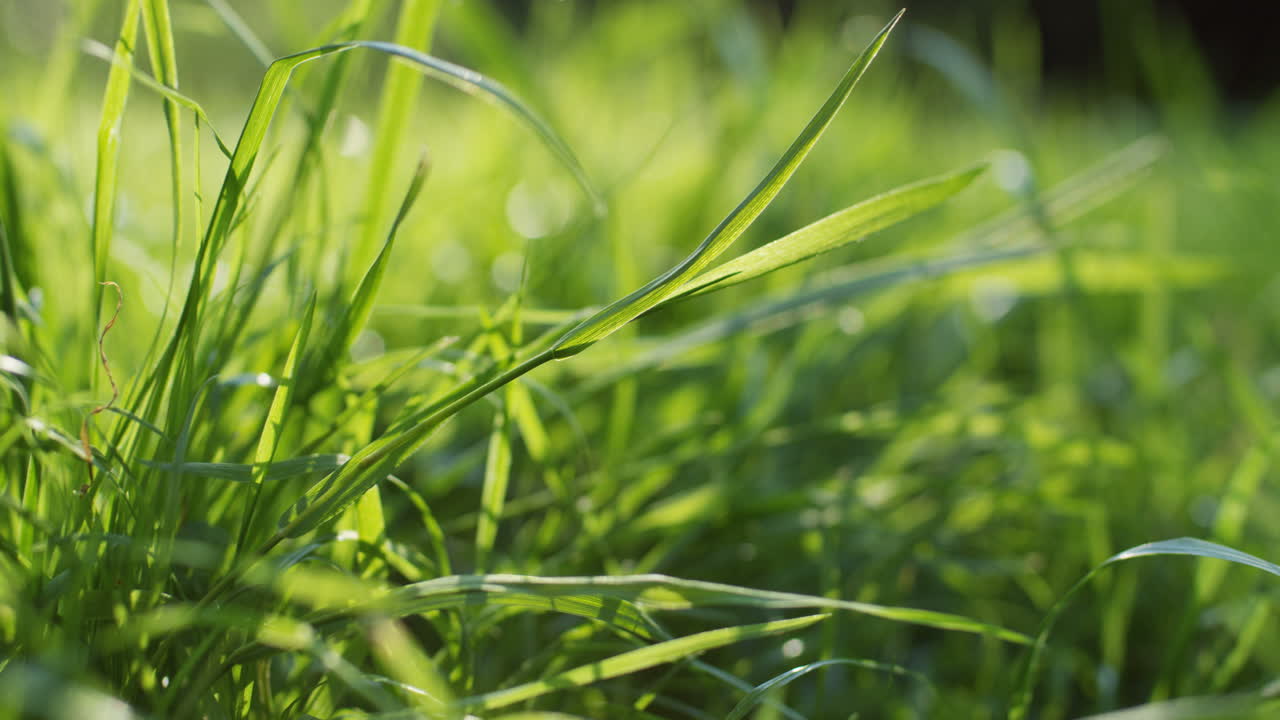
629	360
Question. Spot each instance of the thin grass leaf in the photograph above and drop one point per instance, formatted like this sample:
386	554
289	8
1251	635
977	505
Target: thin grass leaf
623	311
757	694
243	473
414	27
327	499
1179	546
635	660
95	49
106	178
357	310
254	132
1241	706
661	592
273	427
241	30
493	492
832	232
394	648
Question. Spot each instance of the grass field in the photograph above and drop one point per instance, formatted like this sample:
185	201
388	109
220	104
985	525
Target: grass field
341	380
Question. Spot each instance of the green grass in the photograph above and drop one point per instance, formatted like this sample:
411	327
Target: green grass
572	402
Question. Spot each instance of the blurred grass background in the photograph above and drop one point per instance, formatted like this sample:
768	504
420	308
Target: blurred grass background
972	444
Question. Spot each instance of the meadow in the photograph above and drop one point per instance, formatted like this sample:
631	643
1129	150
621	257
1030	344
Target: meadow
629	360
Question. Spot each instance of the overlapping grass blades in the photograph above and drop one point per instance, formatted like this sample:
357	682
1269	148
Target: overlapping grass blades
327	499
758	693
1180	546
625	310
634	661
832	232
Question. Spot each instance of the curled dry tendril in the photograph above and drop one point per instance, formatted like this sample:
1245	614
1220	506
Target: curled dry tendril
115	390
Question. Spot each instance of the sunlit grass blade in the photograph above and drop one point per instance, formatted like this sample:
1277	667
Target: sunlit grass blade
395	649
108	151
104	53
356	312
623	311
253	134
634	661
832	232
1179	546
273	427
493	492
757	694
414	27
661	592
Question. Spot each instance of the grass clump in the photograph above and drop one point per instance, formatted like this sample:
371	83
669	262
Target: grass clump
322	463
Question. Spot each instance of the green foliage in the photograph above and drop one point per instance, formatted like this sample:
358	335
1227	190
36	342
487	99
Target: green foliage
344	479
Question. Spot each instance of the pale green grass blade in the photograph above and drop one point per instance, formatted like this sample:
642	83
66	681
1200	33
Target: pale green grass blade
108	152
254	133
1243	706
242	31
358	309
625	310
394	648
327	499
661	592
414	27
97	50
757	694
539	715
273	427
832	232
635	660
493	493
1179	546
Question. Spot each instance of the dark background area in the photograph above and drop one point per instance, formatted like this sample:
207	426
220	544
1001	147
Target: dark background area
1080	39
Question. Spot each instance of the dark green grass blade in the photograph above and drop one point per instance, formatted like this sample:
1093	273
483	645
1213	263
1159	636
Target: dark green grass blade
832	232
1179	546
625	310
635	661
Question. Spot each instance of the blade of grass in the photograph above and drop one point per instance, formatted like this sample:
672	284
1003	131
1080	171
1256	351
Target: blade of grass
1179	546
634	661
356	314
253	135
393	647
757	694
493	493
414	29
623	311
832	232
106	177
273	427
662	592
95	49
